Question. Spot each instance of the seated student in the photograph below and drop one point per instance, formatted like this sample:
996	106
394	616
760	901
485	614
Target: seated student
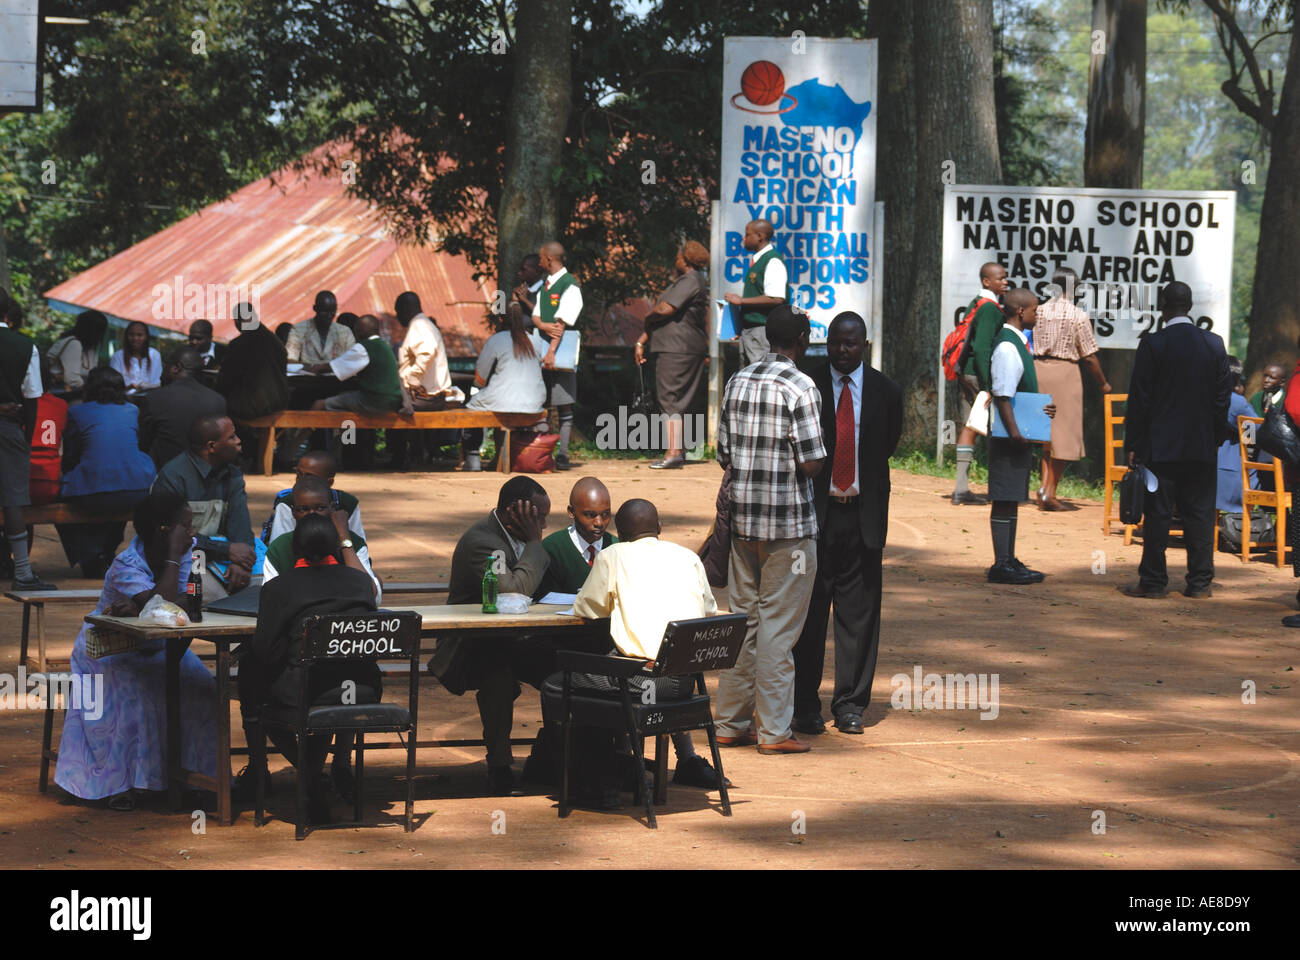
370	360
104	470
311	497
317	463
1273	389
76	353
252	376
116	745
317	583
207	477
640	583
509	377
47	441
511	538
139	364
573	554
1228	490
168	412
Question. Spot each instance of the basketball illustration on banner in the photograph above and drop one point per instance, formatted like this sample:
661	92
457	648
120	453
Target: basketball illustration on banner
762	85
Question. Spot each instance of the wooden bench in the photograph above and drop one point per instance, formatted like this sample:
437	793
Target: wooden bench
60	512
423	420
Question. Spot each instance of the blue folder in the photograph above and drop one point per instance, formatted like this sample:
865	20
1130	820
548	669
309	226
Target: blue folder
1034	425
566	354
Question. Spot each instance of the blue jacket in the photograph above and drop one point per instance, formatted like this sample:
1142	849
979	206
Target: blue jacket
1229	487
101	450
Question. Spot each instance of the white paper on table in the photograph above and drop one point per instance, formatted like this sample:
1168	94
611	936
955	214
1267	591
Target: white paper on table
1149	478
560	598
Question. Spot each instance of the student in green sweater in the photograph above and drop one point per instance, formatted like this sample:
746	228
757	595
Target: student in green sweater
975	376
572	551
372	366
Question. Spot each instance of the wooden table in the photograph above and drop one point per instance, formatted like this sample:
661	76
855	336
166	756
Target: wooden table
38	599
445	620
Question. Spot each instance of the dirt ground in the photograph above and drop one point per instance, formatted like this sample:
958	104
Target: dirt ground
1125	711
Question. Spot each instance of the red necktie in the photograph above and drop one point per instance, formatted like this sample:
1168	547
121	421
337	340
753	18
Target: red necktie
591	555
845	447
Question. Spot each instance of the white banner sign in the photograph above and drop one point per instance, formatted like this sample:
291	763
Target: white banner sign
799	150
20	55
1124	244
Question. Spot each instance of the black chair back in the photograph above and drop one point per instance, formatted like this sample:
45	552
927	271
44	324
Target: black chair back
378	635
699	645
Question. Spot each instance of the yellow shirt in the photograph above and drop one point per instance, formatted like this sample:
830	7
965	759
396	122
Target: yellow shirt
641	586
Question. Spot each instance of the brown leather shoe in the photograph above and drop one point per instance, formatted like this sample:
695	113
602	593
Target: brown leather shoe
789	745
1202	594
1137	590
746	739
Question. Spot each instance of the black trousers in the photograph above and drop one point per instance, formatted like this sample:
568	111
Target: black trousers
505	662
1190	489
849	577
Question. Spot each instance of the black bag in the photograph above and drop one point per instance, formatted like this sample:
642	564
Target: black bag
1278	435
642	401
1261	530
1132	490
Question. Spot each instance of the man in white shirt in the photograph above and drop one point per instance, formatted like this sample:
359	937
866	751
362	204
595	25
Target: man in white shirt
1010	459
558	307
765	286
422	358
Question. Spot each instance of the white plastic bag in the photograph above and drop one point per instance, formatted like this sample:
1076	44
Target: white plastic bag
512	603
163	612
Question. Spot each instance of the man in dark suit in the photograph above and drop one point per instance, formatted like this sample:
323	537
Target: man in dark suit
170	411
862	417
1176	418
510	538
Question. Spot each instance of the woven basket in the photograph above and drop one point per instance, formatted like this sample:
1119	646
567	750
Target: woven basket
104	642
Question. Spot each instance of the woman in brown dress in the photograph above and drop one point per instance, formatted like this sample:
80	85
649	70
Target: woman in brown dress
1063	342
677	330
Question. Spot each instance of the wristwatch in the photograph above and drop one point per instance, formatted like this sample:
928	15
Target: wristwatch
347	544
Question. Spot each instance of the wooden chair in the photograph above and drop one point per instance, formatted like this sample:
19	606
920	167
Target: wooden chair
1114	471
1279	498
689	648
344	637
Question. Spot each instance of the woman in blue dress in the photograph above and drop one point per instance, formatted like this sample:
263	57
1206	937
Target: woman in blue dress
116	746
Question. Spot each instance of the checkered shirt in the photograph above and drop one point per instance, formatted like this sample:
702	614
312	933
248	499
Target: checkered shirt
771	422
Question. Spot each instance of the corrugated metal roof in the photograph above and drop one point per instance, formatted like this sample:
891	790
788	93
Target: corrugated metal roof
292	234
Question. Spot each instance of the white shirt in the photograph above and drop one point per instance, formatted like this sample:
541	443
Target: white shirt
642	585
422	361
282	521
352	360
580	544
1007	367
32	378
210	353
774	274
570	306
139	374
855	392
1172	320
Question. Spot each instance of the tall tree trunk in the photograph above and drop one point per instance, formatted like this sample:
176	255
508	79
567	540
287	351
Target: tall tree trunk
936	80
535	127
5	279
1113	150
1275	300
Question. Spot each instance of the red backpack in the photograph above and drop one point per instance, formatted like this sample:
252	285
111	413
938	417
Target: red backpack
954	344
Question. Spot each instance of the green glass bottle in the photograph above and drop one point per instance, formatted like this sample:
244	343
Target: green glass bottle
489	588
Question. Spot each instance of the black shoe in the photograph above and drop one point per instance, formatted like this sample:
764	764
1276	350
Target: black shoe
696	772
1038	577
502	780
849	723
603	798
242	788
668	463
1204	593
810	723
1291	621
1007	572
1141	592
562	462
35	583
345	785
968	497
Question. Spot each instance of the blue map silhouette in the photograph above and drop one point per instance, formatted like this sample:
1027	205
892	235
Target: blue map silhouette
823	106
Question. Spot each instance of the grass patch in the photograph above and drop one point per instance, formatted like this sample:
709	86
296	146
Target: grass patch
920	462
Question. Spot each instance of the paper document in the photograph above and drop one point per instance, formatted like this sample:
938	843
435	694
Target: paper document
559	599
1149	478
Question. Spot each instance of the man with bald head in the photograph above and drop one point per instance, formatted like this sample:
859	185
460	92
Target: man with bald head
574	549
168	412
558	307
372	369
975	376
207	476
765	286
641	583
1176	417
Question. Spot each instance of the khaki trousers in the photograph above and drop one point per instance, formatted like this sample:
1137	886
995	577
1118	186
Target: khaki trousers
771	582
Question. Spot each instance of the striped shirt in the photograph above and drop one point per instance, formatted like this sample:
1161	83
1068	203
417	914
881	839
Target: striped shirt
1063	331
770	423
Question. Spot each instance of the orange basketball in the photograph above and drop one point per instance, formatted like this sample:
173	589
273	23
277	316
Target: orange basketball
762	83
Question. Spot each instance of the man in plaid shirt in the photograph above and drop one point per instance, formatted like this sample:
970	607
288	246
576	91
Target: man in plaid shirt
770	436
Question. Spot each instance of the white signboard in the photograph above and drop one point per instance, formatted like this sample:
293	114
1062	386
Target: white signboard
20	79
799	150
1124	244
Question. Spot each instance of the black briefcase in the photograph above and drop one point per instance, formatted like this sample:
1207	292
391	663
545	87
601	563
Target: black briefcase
1132	489
1277	435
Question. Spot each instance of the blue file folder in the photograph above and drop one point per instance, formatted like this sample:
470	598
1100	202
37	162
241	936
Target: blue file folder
1034	425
